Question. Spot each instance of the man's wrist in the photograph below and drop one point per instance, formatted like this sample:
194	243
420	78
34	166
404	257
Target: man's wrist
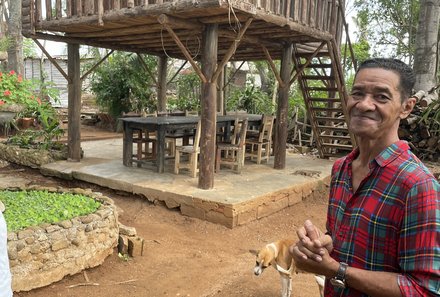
339	280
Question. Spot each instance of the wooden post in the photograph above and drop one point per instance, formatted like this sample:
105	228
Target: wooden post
162	84
208	104
220	92
74	103
282	111
48	10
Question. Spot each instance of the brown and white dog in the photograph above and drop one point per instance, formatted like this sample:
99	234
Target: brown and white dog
276	254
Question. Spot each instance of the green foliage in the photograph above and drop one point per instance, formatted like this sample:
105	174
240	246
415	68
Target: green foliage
22	96
188	93
390	26
361	51
16	90
121	84
251	99
29	48
31	208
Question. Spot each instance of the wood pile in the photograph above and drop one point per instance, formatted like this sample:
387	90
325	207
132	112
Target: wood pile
422	129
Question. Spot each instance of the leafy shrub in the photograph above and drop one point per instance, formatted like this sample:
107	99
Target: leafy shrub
188	92
121	84
31	208
252	99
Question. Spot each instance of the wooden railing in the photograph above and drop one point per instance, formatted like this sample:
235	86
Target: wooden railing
317	14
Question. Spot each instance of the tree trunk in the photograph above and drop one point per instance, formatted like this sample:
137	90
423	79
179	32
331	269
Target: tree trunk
425	56
15	49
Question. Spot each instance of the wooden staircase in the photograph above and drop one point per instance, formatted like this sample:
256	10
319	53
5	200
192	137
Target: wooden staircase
322	86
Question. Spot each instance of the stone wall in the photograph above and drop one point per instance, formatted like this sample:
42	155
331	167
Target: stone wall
33	158
46	253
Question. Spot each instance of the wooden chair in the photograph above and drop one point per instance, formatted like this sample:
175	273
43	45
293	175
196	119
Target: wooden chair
192	150
259	147
233	152
143	139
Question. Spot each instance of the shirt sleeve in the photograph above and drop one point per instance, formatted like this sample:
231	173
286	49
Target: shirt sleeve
419	243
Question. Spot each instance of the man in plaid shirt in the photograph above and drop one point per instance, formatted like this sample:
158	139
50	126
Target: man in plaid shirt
383	220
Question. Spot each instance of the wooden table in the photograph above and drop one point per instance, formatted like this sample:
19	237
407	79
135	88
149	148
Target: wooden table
162	125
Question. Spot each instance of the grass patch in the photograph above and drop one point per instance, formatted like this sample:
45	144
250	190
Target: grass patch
31	208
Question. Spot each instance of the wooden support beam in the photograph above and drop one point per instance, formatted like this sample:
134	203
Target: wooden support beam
282	111
177	72
48	10
153	77
232	76
231	50
179	23
272	66
96	65
54	62
74	104
185	52
162	84
309	60
208	107
100	12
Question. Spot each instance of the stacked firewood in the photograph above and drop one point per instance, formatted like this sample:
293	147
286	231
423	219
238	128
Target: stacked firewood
422	128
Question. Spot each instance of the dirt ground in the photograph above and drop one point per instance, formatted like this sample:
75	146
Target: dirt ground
185	256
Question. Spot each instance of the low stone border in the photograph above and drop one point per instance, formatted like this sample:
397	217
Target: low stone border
30	157
44	254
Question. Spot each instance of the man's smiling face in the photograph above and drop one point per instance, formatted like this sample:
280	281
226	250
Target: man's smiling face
374	105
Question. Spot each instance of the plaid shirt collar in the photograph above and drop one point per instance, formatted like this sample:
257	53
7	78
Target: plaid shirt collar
385	157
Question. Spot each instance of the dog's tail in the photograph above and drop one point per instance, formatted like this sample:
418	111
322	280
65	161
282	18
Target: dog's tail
320	279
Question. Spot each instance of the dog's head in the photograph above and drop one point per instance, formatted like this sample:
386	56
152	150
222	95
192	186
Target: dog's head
264	258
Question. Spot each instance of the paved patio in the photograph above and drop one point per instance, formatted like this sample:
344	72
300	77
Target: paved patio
236	199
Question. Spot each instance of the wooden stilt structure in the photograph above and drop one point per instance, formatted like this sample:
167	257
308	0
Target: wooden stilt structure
212	32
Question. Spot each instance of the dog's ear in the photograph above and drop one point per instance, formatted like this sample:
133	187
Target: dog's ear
253	252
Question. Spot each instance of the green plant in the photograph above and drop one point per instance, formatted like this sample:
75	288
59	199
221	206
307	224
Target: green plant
188	92
121	84
251	99
31	208
14	90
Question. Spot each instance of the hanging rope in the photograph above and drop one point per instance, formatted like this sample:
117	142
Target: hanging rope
163	46
198	46
237	21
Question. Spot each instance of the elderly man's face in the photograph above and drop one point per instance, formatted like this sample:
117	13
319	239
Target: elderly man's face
375	106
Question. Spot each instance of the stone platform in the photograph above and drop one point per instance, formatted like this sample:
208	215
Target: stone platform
236	199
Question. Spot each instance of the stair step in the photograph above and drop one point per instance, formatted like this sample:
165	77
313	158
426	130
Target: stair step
335	109
339	146
325	89
335	137
315	99
330	119
332	128
318	77
306	55
318	65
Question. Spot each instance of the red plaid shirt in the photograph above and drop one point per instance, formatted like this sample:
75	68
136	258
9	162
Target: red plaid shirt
391	223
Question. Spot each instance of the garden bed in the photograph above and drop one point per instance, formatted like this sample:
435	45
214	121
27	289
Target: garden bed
43	254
